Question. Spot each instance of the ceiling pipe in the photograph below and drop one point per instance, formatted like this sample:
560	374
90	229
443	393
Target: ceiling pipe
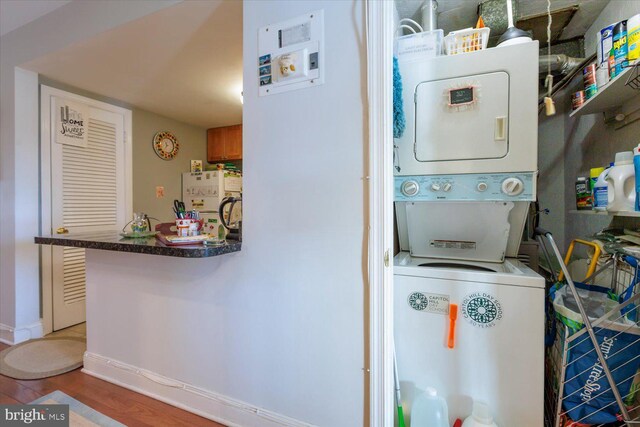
429	15
560	62
566	80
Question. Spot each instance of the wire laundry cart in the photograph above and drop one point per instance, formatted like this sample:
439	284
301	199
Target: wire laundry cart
592	344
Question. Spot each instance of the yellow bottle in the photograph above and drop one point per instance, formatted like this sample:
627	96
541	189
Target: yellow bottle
633	37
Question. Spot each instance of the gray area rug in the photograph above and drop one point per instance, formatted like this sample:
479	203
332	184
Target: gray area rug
42	358
80	415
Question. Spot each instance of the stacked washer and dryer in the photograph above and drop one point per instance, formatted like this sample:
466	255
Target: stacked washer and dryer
465	174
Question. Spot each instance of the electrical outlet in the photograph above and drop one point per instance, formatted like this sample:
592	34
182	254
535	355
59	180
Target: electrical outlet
159	192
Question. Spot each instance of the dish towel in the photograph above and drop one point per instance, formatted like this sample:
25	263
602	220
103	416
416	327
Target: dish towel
399	123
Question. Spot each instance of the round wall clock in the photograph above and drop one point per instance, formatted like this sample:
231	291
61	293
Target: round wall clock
165	144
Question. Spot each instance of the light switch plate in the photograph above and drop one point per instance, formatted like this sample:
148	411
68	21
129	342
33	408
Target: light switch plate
298	42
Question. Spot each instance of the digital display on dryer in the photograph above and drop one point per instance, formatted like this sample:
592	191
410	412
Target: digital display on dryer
461	96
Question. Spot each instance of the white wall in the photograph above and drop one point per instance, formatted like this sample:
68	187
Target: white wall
150	171
551	180
26	195
282	324
19	259
310	198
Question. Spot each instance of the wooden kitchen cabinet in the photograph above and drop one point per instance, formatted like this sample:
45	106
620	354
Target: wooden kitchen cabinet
224	143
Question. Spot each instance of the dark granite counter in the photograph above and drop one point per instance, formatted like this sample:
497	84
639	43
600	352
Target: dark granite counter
112	241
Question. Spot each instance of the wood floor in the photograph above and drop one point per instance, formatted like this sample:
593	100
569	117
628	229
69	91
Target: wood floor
125	406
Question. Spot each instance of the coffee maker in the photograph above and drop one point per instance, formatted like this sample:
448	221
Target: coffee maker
232	222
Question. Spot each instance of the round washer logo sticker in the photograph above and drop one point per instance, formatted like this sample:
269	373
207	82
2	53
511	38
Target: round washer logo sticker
418	301
481	310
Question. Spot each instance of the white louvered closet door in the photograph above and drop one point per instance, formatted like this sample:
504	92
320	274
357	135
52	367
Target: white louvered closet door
87	196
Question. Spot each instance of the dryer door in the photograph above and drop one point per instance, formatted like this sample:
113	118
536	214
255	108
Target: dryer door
464	118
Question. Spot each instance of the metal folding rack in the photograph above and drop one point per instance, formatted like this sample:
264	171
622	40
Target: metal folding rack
633	81
563	370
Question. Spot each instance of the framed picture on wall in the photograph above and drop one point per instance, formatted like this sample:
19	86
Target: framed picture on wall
196	166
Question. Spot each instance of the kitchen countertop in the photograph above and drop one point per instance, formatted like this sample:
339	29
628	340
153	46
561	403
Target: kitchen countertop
112	241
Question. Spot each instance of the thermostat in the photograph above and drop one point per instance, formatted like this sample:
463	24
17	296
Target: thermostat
290	54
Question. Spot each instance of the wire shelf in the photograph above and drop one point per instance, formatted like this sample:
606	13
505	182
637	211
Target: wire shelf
633	81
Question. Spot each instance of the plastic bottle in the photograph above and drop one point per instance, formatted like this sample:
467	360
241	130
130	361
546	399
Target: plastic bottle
480	416
583	195
620	47
594	173
636	168
600	191
622	187
429	410
612	64
633	37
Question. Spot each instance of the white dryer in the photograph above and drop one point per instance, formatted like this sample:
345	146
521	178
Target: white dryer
471	113
466	166
498	356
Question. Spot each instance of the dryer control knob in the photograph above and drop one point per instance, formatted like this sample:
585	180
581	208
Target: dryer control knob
447	187
435	187
512	186
482	186
410	188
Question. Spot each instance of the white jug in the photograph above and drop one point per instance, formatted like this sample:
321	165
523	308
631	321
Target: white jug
480	417
622	186
429	410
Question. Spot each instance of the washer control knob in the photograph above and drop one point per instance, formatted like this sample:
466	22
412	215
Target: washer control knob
410	188
512	186
447	187
482	186
435	187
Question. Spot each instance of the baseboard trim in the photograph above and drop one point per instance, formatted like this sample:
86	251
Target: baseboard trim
11	336
207	404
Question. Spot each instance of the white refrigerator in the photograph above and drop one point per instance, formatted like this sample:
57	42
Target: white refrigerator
204	191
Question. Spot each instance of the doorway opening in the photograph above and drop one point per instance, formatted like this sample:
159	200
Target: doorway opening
187	84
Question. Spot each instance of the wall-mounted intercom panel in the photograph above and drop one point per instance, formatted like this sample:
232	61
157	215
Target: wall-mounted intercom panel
290	54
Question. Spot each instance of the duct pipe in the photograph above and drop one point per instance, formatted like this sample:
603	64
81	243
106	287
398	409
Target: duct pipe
561	62
429	15
565	80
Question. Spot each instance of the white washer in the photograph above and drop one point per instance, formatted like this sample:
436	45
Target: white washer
498	357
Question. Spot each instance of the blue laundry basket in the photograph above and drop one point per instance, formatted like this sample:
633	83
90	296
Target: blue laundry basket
587	396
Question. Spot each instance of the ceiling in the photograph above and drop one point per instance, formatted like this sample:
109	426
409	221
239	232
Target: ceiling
183	62
458	14
16	13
